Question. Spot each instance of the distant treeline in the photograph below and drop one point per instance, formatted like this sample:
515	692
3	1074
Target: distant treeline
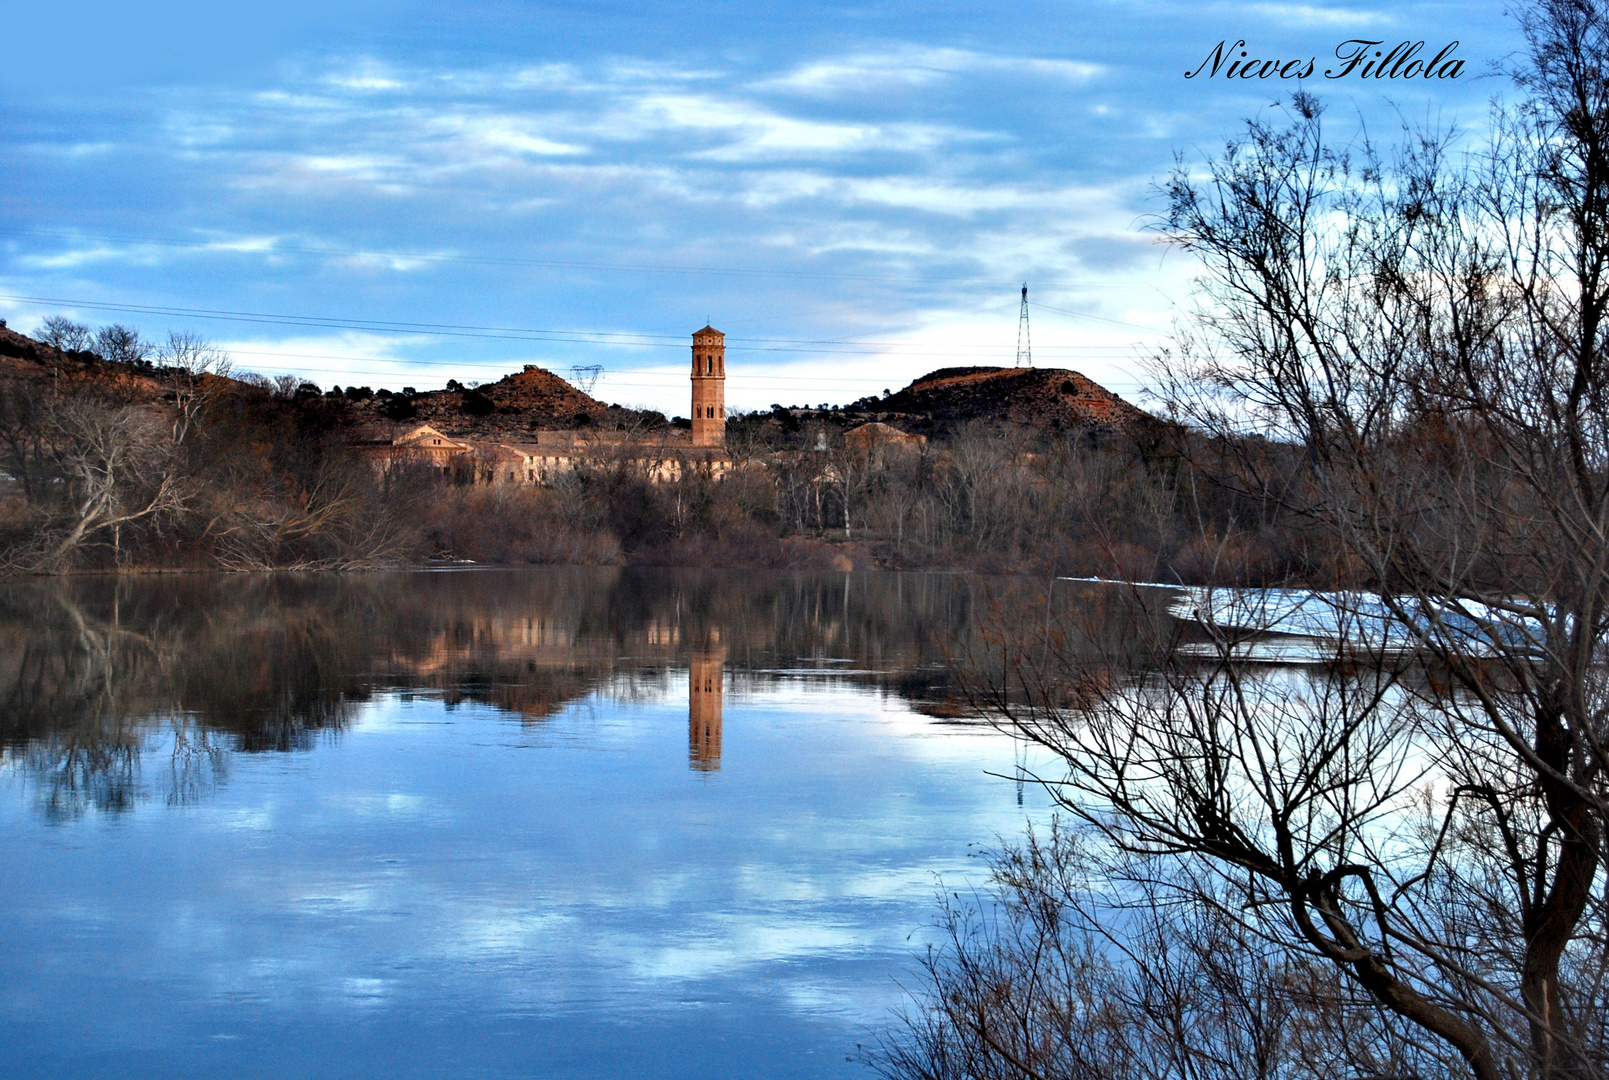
120	454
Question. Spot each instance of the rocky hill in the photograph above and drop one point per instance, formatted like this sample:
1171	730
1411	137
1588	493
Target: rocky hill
23	358
17	350
510	408
1040	397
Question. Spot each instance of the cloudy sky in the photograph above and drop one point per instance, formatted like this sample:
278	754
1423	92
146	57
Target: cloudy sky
392	193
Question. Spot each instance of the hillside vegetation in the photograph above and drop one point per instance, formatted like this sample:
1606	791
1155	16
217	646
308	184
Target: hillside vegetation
118	454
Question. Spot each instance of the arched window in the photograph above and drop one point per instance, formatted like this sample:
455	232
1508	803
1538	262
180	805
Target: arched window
709	365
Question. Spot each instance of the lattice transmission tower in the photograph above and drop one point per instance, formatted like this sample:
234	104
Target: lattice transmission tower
1025	352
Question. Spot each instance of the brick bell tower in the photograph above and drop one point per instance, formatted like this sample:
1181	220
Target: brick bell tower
709	387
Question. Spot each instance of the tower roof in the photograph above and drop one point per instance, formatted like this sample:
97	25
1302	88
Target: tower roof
708	330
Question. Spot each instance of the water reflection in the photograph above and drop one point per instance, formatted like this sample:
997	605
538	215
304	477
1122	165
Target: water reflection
368	825
706	675
98	676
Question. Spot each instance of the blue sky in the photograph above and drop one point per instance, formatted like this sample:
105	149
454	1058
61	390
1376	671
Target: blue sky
396	193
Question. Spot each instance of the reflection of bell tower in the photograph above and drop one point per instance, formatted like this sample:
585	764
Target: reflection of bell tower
709	387
705	670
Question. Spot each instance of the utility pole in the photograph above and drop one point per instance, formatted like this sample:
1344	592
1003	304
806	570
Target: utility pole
1025	352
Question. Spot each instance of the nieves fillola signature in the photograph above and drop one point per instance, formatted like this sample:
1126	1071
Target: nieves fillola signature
1355	58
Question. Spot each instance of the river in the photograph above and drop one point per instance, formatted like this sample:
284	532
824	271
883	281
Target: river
491	823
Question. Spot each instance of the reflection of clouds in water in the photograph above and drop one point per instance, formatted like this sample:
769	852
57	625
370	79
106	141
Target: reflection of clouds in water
254	819
506	830
394	805
330	899
470	863
854	884
362	993
704	888
728	945
505	932
826	998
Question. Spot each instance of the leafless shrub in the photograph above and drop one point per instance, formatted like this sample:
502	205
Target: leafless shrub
1062	970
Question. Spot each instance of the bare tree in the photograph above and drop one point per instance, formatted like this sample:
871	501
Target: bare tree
117	466
1050	974
854	472
121	344
1418	345
197	371
1433	339
60	332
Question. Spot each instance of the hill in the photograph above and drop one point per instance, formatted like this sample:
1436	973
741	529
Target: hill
1040	397
512	407
27	360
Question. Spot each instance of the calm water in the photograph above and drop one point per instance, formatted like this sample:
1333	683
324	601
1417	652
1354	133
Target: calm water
523	823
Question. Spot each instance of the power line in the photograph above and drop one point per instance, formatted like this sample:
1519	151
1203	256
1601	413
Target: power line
1095	318
587	337
370	325
614	387
609	377
276	248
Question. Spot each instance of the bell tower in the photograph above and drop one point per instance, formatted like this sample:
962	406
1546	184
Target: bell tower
709	387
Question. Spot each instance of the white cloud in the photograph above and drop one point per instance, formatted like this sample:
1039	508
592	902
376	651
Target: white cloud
500	133
352	357
913	66
1302	15
78	257
367	75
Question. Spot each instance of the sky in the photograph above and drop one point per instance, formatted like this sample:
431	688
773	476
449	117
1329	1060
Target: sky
391	193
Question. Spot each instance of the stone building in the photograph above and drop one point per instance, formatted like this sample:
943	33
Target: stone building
420	445
867	437
662	456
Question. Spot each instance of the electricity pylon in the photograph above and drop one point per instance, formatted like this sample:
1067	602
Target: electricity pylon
1025	352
